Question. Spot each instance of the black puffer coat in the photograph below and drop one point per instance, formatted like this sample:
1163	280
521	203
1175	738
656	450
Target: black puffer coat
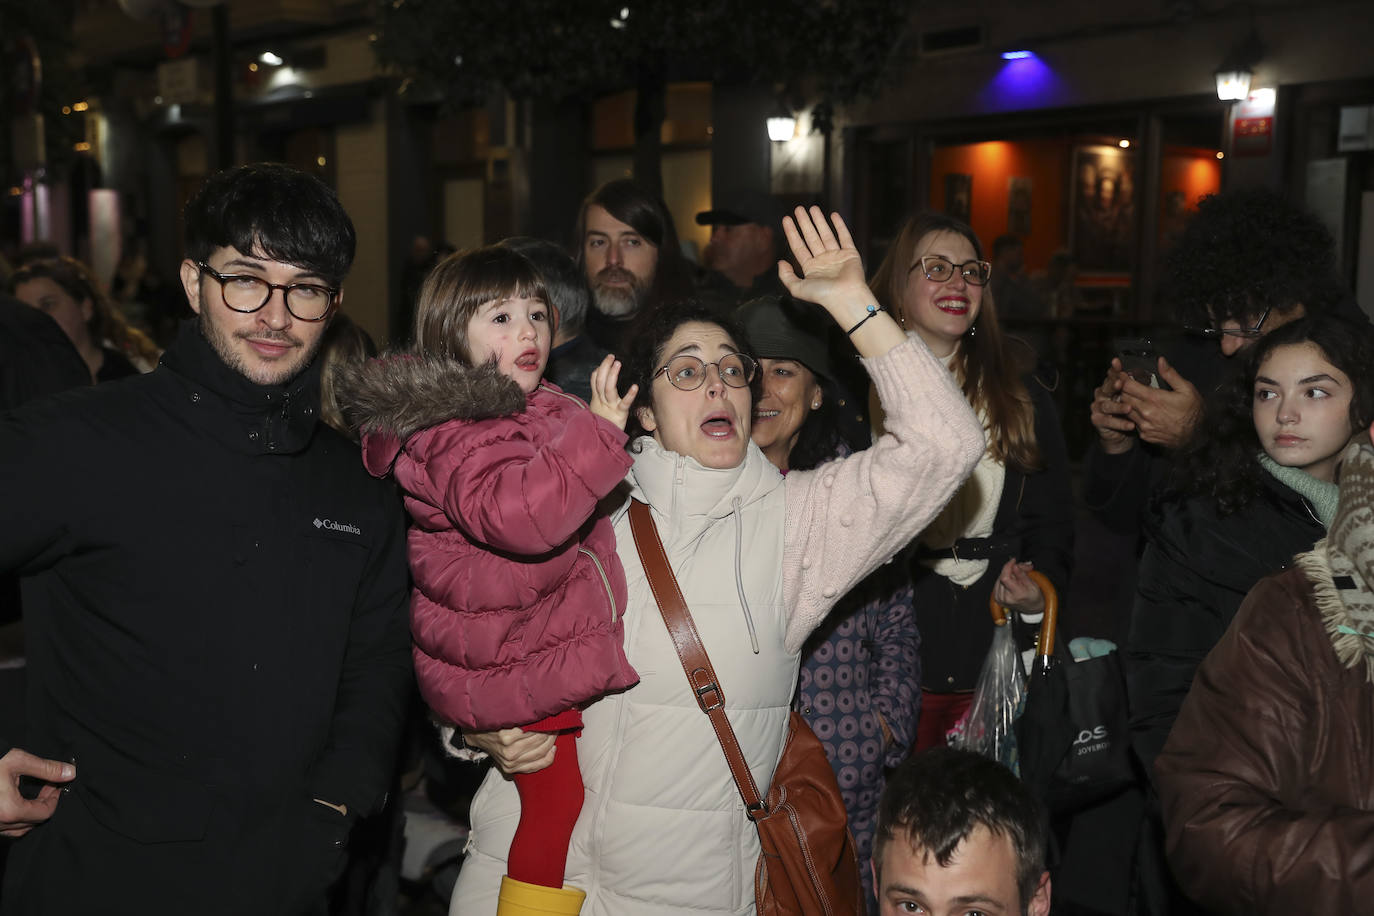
1196	570
215	598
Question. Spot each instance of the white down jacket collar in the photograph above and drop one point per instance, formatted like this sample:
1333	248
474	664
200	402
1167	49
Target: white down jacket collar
687	496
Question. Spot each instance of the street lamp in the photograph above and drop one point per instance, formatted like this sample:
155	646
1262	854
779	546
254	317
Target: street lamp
1233	84
781	127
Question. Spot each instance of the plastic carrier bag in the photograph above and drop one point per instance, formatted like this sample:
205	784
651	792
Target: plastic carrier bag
998	699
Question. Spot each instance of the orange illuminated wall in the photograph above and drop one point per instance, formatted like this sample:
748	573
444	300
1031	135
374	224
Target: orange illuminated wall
1186	175
1044	162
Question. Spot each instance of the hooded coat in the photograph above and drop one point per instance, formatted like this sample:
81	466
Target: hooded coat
517	612
760	560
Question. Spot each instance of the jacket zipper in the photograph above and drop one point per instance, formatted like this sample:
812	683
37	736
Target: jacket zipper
605	580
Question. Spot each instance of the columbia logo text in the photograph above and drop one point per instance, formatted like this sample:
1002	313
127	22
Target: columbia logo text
331	525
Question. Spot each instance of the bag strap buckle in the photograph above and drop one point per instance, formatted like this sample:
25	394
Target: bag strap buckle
702	691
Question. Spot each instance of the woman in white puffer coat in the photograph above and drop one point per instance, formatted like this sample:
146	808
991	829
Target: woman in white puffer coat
760	560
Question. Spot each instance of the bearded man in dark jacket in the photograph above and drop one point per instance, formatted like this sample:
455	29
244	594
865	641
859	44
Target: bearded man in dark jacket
215	595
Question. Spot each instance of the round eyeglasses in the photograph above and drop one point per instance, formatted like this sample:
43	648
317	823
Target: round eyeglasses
1253	333
688	373
939	270
245	293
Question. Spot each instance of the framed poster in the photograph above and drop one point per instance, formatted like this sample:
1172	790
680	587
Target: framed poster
1102	203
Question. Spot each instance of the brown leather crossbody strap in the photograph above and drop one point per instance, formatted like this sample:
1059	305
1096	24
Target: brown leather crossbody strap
686	641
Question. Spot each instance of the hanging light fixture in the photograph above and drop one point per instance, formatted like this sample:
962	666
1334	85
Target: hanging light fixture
1233	76
1233	84
781	127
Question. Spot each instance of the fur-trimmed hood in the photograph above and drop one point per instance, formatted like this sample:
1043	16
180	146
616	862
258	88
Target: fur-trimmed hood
399	394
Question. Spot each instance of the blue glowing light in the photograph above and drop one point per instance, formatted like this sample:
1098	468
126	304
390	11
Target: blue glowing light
1017	55
1025	82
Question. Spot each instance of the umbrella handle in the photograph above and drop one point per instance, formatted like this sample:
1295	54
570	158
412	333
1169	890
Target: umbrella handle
1048	626
1050	621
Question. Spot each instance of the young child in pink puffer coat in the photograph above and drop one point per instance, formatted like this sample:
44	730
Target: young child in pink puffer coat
516	614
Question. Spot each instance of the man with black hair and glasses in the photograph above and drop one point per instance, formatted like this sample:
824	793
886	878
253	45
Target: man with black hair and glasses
215	595
958	834
1245	263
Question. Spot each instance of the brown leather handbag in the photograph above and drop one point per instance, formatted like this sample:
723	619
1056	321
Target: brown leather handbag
808	865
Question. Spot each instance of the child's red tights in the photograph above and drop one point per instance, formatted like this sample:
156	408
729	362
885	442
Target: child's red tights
550	801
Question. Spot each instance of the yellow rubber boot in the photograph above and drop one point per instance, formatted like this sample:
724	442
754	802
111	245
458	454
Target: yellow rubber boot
521	899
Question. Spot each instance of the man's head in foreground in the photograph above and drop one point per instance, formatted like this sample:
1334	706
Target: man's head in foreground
267	250
958	833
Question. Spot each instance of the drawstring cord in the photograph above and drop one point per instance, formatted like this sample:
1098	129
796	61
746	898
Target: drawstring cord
739	575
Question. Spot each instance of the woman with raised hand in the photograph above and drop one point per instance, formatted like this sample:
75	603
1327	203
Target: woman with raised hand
760	560
860	675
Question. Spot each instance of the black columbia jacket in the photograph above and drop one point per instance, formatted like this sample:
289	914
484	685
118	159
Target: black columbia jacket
215	598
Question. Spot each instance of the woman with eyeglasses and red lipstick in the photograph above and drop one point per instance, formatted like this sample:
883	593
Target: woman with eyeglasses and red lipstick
1015	512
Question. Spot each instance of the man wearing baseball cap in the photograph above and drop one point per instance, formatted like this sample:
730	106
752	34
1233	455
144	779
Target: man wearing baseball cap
743	251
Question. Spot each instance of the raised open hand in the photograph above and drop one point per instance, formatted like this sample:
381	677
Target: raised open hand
606	400
832	273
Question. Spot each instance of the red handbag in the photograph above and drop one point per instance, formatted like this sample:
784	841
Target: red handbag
807	865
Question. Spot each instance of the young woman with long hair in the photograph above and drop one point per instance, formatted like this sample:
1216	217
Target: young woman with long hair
1252	488
1015	512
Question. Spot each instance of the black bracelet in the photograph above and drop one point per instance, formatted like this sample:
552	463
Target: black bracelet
872	310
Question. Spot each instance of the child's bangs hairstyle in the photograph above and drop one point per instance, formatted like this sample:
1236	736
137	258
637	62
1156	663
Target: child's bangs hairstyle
461	284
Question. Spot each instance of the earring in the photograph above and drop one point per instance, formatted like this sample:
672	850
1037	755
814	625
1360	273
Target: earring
815	405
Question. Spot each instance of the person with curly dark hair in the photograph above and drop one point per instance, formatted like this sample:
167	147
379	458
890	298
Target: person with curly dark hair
1247	262
1252	488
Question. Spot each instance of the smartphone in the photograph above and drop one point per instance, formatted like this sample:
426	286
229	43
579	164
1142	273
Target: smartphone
1140	360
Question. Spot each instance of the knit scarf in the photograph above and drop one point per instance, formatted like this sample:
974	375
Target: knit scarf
1322	494
1341	566
970	514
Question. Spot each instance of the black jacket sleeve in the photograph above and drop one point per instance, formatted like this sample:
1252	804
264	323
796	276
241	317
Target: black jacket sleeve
1116	488
1045	503
377	679
1175	621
